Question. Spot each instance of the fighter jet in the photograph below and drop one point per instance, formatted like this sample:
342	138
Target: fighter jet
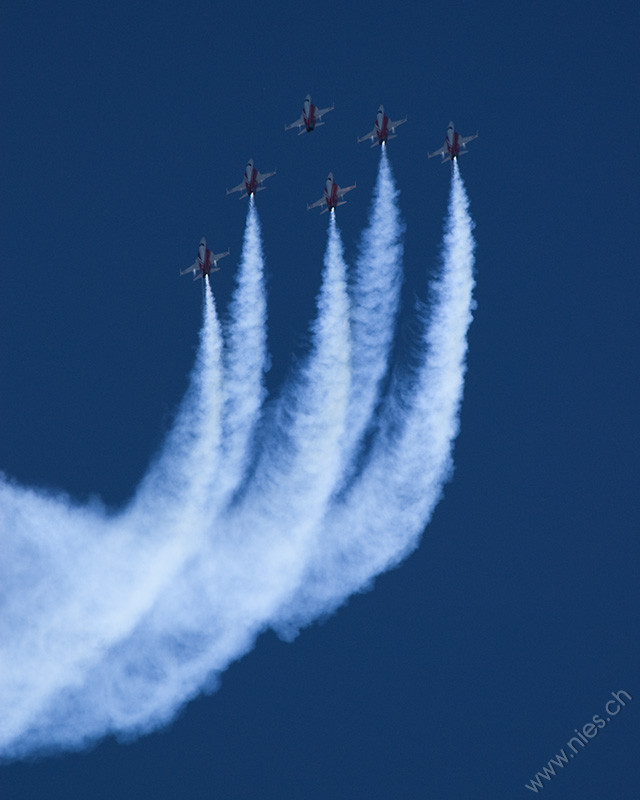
309	118
381	129
205	259
454	145
331	196
251	181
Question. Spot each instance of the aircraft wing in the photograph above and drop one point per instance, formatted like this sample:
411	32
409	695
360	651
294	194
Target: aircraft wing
215	257
370	135
193	268
393	125
299	123
342	191
239	188
321	111
263	176
464	139
319	202
441	152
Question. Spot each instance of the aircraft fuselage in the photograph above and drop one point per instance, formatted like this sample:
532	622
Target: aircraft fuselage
453	141
204	258
309	114
250	179
331	193
382	125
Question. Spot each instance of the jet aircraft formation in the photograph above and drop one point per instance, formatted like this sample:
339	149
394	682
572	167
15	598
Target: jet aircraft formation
310	118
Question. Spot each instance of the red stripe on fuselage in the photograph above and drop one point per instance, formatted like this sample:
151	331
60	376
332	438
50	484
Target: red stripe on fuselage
383	133
332	199
252	184
310	119
455	148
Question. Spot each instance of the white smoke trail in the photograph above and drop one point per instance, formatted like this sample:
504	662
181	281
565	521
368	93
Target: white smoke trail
383	515
374	299
177	478
79	580
301	462
297	468
245	358
260	548
150	617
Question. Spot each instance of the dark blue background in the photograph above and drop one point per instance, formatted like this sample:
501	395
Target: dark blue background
467	668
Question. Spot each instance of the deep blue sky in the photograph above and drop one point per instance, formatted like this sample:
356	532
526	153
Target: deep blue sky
467	668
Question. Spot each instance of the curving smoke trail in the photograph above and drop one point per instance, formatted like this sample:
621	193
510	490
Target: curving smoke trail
245	360
374	298
77	581
177	477
297	468
379	521
111	623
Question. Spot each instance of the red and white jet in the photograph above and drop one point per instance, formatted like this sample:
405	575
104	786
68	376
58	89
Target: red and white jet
309	118
251	181
454	145
381	129
206	262
331	196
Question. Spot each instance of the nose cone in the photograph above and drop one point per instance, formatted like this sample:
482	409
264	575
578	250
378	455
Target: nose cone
307	99
450	128
250	163
381	110
330	176
203	242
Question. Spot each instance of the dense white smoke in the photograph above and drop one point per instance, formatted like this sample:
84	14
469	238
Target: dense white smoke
375	293
245	359
110	623
381	517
